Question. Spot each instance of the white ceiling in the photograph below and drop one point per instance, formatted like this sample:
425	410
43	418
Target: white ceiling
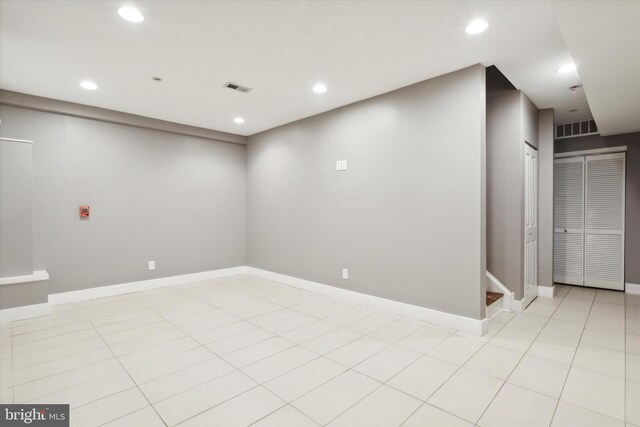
279	48
604	38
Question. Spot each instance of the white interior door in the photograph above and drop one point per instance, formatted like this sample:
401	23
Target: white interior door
568	218
604	221
530	223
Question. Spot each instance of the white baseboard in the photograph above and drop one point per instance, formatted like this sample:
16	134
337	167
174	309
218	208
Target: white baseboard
632	288
24	312
518	305
494	285
142	285
494	309
37	276
465	324
546	291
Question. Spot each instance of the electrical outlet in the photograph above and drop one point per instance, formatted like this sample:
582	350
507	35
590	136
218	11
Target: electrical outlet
344	165
341	165
338	165
345	273
152	265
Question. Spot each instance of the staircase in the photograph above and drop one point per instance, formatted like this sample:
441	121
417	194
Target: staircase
494	305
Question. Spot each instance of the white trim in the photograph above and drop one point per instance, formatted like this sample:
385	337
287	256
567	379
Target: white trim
494	309
546	291
23	141
605	150
466	324
24	312
494	285
518	305
632	288
142	285
37	276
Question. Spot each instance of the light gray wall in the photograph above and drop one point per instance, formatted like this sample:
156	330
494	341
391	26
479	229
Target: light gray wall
512	121
504	186
545	198
632	190
16	209
178	200
406	218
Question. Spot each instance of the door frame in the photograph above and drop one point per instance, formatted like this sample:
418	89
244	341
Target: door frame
533	294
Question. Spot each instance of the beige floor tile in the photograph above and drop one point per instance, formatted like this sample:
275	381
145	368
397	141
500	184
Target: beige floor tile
336	396
64	380
331	340
148	371
568	415
89	391
157	352
273	366
309	332
46	369
495	361
632	406
424	339
295	383
428	415
601	360
466	394
286	416
540	375
517	406
238	341
396	330
387	363
374	321
108	409
596	392
456	349
240	411
189	403
169	385
385	407
146	417
423	377
253	353
357	351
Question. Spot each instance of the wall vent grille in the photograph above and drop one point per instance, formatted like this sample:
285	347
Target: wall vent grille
574	129
237	87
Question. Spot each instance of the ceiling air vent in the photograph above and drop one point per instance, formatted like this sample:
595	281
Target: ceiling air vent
573	129
237	87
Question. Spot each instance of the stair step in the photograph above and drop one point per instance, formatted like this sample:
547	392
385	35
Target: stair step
493	297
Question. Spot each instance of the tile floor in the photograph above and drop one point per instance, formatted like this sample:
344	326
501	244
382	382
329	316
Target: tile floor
244	351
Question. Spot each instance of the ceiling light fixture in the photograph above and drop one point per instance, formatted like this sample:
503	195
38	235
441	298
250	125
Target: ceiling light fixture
567	68
130	14
238	120
319	88
476	27
89	85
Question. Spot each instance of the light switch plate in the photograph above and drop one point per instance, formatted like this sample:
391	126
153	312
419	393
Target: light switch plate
152	265
345	273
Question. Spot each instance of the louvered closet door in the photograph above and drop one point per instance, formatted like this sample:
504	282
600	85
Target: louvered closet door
568	199
604	220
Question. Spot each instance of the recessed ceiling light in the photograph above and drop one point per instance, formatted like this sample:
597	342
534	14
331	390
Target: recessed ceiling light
131	14
476	27
238	120
89	85
319	88
567	68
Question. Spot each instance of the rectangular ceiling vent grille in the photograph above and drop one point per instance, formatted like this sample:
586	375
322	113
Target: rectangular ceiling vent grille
573	129
237	87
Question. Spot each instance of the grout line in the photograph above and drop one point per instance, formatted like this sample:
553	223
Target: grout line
132	380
